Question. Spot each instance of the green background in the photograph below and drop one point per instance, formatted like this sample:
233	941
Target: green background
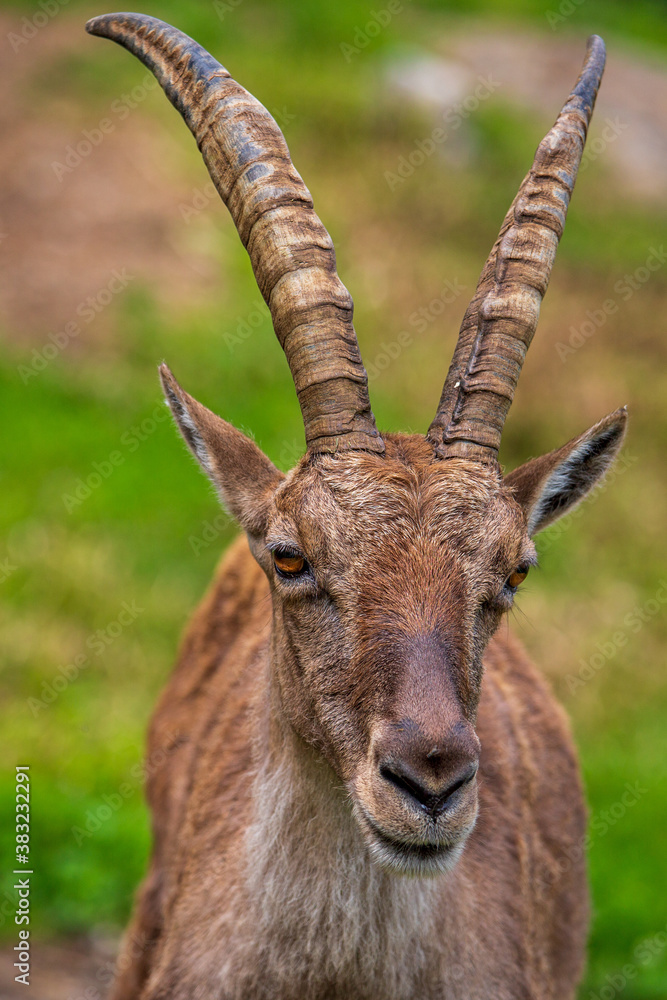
141	535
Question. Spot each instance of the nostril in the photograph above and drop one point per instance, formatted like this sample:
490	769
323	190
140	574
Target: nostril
465	780
408	785
433	802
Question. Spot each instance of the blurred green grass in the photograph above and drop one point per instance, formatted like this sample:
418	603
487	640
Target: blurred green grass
141	535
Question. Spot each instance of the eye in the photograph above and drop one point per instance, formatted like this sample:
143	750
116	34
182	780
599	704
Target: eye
516	578
289	563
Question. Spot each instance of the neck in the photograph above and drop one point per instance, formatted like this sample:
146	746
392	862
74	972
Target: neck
324	910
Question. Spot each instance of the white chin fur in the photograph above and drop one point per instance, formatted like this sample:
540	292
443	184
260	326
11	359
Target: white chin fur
412	859
418	862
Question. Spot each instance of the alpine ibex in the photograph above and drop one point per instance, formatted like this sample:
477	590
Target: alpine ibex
370	792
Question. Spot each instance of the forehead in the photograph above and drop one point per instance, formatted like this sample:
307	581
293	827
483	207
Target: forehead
406	495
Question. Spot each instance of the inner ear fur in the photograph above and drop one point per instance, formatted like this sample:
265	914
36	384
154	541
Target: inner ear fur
550	486
243	476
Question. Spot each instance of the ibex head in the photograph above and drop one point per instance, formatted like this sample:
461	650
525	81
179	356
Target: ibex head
391	560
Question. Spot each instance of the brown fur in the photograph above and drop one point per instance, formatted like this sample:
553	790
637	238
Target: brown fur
265	879
365	790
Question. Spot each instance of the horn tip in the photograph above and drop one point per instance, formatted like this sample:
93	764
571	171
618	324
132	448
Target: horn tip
596	53
109	25
588	83
596	42
101	24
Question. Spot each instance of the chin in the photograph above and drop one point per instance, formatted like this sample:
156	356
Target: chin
410	855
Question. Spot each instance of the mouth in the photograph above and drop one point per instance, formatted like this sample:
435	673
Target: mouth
415	858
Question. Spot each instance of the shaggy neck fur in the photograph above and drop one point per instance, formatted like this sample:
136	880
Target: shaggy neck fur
326	919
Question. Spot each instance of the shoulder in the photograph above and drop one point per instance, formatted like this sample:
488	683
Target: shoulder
212	682
520	722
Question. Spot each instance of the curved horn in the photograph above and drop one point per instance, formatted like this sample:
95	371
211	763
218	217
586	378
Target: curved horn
291	252
501	319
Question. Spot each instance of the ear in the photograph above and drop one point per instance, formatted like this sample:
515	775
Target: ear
550	486
241	473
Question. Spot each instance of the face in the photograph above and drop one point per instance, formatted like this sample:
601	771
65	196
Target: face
388	576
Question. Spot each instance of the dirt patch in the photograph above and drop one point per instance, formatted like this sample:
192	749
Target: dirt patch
61	971
629	130
82	220
87	209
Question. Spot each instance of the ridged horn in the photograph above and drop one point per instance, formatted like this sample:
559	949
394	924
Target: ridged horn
292	254
501	319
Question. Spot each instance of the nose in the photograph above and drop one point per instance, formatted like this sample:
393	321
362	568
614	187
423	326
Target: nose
431	773
433	799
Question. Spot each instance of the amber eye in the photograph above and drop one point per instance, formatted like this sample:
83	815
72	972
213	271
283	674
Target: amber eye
289	563
517	577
